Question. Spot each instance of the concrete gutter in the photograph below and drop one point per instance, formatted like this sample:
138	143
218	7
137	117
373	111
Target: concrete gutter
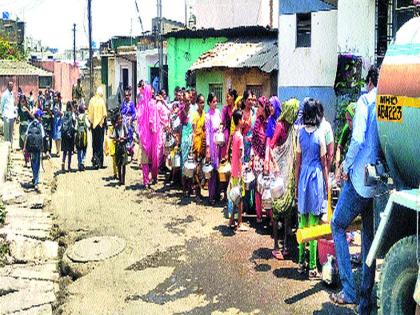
4	160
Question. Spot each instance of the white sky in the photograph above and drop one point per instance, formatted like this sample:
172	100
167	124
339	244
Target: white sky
51	21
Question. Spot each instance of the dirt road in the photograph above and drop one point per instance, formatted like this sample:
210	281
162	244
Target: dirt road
180	257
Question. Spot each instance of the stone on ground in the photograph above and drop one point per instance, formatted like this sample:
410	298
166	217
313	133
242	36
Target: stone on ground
22	294
24	249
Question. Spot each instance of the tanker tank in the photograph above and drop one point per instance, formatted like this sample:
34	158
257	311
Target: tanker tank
398	106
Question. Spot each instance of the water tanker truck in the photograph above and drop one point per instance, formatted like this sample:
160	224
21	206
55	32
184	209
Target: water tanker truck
396	204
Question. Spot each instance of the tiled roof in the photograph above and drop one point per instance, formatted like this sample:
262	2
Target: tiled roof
240	54
9	67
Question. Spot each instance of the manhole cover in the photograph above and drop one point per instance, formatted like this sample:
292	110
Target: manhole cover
95	249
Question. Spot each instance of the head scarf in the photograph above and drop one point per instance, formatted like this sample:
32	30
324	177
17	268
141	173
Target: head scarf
271	124
299	119
259	131
351	108
100	91
143	118
289	111
81	109
238	102
39	113
213	120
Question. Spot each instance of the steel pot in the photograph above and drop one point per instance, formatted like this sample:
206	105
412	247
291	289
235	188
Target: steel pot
224	171
176	161
170	141
262	182
219	138
207	170
330	272
235	194
189	167
267	200
248	178
277	188
168	162
176	123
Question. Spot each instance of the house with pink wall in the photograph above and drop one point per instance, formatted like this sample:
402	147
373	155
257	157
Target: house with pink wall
65	75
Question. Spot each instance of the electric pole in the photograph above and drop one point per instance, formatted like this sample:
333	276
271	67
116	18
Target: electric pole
186	13
138	13
90	48
74	43
271	13
160	43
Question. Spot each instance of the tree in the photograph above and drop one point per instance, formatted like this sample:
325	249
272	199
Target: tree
9	51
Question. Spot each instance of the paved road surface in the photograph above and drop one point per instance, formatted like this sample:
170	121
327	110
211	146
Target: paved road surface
180	257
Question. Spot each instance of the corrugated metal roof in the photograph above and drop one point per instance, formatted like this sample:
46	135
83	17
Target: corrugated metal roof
234	32
9	67
240	54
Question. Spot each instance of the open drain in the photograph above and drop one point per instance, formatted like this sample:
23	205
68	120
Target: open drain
95	249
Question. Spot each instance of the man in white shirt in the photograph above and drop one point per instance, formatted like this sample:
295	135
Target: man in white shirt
8	112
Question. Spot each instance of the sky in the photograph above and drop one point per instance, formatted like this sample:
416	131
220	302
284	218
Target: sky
51	21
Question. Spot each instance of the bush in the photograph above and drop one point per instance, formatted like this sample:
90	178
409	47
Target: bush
3	213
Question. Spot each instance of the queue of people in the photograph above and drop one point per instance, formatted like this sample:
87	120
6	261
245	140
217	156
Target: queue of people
280	155
44	121
255	154
237	153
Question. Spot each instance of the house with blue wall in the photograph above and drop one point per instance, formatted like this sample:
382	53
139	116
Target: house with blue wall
308	51
315	34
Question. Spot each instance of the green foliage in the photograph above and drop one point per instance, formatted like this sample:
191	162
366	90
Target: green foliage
3	213
348	85
4	252
341	107
9	51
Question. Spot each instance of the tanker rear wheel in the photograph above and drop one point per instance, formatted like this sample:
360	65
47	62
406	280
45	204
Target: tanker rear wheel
398	278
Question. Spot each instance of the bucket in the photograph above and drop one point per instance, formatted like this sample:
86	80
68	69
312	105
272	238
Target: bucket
325	248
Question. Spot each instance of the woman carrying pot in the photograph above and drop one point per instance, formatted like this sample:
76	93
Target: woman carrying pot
259	139
282	153
199	141
248	115
213	120
186	114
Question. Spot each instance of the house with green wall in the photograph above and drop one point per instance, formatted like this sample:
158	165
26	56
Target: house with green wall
182	52
186	47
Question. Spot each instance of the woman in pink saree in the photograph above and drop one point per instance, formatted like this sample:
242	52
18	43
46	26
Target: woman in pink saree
156	139
164	113
145	131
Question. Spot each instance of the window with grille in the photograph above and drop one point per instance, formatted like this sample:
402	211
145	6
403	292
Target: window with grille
217	88
404	10
257	90
44	82
390	16
303	30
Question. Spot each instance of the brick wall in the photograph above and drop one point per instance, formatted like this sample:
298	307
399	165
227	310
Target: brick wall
64	76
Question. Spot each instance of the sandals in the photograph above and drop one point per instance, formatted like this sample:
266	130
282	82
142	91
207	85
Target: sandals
338	298
314	275
301	269
243	228
277	255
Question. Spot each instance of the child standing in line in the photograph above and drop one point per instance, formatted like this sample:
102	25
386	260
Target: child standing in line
67	136
82	126
120	136
236	164
311	179
111	146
